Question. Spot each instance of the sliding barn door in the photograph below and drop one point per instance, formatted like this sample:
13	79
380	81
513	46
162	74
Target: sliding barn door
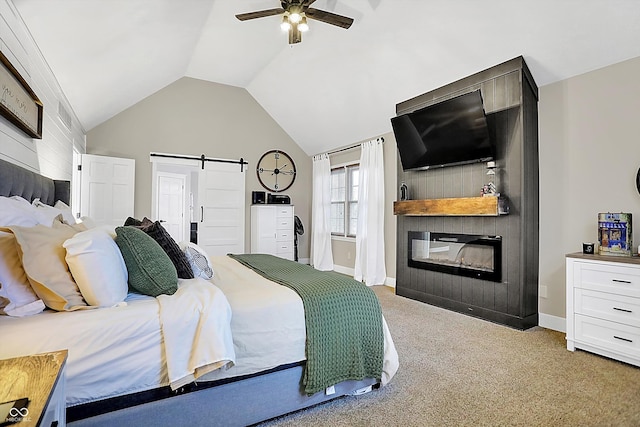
221	195
106	188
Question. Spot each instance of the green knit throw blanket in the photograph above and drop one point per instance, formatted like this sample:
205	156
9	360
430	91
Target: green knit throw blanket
342	316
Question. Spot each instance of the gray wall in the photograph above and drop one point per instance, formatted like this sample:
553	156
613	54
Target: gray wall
589	157
194	117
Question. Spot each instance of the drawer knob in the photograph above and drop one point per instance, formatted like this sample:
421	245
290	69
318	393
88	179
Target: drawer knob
622	339
622	309
622	281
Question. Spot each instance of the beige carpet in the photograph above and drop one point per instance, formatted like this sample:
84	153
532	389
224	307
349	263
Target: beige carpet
456	370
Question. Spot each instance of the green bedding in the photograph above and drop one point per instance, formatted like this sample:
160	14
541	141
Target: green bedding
343	321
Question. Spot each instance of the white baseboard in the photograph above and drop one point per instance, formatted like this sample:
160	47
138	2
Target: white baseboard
389	281
344	270
552	322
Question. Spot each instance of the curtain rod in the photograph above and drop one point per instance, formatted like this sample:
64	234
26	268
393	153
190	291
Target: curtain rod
203	159
351	147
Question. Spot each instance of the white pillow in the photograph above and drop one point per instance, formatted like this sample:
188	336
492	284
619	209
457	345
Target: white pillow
198	260
97	266
89	222
66	212
16	295
17	211
47	214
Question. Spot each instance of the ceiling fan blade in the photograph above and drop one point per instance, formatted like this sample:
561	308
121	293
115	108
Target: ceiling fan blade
329	18
308	3
259	14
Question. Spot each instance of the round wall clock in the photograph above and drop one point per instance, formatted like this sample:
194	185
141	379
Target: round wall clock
276	171
638	181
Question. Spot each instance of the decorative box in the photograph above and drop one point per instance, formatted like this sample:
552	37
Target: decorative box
614	234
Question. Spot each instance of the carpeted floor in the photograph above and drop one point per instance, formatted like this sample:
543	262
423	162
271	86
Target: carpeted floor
456	370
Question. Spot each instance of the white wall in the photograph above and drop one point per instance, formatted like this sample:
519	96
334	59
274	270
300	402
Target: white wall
52	155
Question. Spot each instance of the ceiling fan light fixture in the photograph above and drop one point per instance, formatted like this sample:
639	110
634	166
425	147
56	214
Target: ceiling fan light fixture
295	14
303	26
285	25
294	17
295	36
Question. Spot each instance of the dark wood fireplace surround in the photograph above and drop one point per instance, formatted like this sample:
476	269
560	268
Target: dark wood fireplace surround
445	200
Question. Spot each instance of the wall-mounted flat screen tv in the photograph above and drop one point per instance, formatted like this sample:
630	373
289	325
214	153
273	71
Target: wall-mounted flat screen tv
451	132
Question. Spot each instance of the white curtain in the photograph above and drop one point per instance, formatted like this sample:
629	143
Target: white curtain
370	266
322	257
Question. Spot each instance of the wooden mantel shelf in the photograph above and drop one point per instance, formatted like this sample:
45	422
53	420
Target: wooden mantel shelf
459	206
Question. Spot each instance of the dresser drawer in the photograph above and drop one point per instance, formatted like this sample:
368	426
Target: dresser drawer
284	211
284	235
282	247
284	223
616	279
607	335
613	307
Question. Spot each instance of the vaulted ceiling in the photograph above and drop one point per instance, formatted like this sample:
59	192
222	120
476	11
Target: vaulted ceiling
338	86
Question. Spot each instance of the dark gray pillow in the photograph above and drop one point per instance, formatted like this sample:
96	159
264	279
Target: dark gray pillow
150	269
166	242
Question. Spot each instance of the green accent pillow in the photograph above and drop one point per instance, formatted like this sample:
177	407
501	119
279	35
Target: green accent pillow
150	269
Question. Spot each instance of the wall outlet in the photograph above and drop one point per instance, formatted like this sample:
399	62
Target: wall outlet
543	291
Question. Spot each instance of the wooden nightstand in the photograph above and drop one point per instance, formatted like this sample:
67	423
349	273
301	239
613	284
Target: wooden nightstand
41	379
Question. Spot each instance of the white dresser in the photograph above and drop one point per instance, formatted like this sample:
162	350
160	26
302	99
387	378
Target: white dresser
603	306
272	230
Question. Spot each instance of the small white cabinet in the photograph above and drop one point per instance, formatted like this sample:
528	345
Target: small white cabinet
603	306
272	230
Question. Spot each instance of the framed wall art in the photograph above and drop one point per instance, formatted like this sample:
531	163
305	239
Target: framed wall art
18	103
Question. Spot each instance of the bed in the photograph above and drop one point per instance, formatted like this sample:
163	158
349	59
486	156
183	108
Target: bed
134	362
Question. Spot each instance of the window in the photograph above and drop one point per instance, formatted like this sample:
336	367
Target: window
344	200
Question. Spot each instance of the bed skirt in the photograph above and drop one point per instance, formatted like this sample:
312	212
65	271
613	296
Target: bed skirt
237	401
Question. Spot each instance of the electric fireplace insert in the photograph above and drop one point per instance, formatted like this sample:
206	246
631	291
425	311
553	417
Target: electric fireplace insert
467	255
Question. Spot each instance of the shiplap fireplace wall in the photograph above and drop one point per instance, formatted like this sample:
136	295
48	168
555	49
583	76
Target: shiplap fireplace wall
510	98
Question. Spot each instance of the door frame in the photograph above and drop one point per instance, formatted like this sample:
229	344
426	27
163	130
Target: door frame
177	166
184	203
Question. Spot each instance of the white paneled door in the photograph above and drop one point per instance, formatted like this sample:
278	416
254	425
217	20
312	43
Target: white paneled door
106	188
171	203
221	196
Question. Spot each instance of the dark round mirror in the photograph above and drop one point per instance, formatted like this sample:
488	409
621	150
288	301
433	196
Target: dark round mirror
638	181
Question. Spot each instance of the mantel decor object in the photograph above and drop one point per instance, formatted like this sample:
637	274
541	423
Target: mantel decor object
18	103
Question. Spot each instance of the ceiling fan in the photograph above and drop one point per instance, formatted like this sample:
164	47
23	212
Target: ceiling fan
294	17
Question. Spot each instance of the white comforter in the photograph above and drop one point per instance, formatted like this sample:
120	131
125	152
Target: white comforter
126	349
196	327
268	322
153	342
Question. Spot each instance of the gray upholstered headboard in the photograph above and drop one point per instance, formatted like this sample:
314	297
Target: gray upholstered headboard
18	181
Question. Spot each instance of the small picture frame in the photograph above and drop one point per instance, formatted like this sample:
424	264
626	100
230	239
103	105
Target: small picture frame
615	236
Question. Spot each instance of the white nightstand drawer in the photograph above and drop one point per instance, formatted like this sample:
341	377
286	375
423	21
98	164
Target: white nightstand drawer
607	335
614	279
617	308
